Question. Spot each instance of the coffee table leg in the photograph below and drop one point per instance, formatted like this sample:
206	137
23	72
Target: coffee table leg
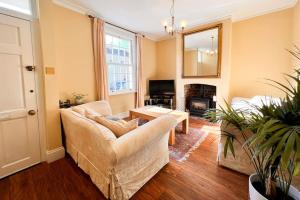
185	126
131	115
172	137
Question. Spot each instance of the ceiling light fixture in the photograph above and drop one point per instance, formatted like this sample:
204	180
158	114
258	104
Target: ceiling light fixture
169	25
212	51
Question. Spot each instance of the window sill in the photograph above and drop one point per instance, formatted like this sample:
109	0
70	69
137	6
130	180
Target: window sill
122	92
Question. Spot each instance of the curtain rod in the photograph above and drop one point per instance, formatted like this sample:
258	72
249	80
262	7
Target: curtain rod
90	16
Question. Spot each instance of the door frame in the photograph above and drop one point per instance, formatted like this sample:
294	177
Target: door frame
38	63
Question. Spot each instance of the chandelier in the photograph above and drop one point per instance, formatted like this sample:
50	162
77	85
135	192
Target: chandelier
212	51
169	25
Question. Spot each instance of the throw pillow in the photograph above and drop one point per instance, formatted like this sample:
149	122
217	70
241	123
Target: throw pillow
120	127
78	109
111	117
91	114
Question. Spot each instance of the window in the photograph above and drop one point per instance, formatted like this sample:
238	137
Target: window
21	6
121	62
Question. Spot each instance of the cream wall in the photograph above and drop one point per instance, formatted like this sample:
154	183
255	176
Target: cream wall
53	132
122	102
149	63
296	24
166	59
296	30
74	53
259	51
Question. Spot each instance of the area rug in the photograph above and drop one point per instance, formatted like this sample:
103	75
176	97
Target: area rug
185	144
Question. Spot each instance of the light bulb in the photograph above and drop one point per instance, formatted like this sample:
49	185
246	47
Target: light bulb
165	23
170	29
183	24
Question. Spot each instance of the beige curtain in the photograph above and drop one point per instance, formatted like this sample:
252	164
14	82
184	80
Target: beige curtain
99	59
140	92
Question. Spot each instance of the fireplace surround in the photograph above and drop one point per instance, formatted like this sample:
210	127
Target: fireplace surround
199	98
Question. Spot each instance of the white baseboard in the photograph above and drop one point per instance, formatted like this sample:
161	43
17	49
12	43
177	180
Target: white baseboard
55	154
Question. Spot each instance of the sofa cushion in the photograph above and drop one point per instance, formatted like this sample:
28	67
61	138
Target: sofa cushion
100	107
119	127
86	112
78	109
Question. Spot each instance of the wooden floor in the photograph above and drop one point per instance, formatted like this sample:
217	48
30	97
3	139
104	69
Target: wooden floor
197	178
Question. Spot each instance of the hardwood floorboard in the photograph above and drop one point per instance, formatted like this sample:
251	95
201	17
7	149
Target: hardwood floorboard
199	177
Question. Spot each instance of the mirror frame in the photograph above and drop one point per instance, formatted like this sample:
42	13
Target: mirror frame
219	27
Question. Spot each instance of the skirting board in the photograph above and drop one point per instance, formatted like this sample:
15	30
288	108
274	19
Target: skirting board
55	154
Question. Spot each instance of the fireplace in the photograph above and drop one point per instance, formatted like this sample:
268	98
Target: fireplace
199	98
198	105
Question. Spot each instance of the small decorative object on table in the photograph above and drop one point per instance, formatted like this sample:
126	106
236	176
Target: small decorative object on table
65	104
78	98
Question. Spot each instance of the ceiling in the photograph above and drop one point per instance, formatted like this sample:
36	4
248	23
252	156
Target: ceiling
146	16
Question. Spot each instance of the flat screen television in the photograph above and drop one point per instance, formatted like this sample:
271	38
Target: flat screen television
161	87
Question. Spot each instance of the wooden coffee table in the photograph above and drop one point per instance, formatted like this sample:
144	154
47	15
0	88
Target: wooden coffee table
152	112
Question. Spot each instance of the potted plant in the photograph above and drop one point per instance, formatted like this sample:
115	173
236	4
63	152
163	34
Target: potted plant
273	145
78	98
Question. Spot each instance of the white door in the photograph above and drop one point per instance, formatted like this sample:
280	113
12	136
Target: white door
19	135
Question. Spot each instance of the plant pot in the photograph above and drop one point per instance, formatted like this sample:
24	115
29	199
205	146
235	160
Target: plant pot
255	195
79	101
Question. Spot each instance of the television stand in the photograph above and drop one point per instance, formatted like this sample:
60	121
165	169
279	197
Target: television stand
165	101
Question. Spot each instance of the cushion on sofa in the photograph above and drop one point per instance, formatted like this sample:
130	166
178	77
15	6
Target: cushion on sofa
86	112
80	110
101	107
119	127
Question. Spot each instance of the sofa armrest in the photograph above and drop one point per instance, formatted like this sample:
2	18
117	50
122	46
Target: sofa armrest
135	140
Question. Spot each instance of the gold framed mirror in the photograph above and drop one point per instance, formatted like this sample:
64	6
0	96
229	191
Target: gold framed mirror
202	53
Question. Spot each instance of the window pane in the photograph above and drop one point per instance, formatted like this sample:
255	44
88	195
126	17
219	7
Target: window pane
119	57
124	43
22	6
108	39
116	41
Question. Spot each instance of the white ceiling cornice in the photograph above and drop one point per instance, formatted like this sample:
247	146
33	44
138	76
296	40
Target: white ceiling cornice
254	13
72	6
146	23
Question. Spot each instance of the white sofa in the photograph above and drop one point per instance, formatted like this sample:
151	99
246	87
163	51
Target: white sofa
119	167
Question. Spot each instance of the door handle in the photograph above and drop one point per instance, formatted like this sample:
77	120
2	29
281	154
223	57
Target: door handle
30	68
31	112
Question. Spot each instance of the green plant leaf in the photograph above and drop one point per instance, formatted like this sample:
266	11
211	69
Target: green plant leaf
231	146
226	147
275	128
297	169
276	137
279	147
288	150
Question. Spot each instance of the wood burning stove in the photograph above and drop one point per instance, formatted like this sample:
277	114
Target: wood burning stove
198	106
199	98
